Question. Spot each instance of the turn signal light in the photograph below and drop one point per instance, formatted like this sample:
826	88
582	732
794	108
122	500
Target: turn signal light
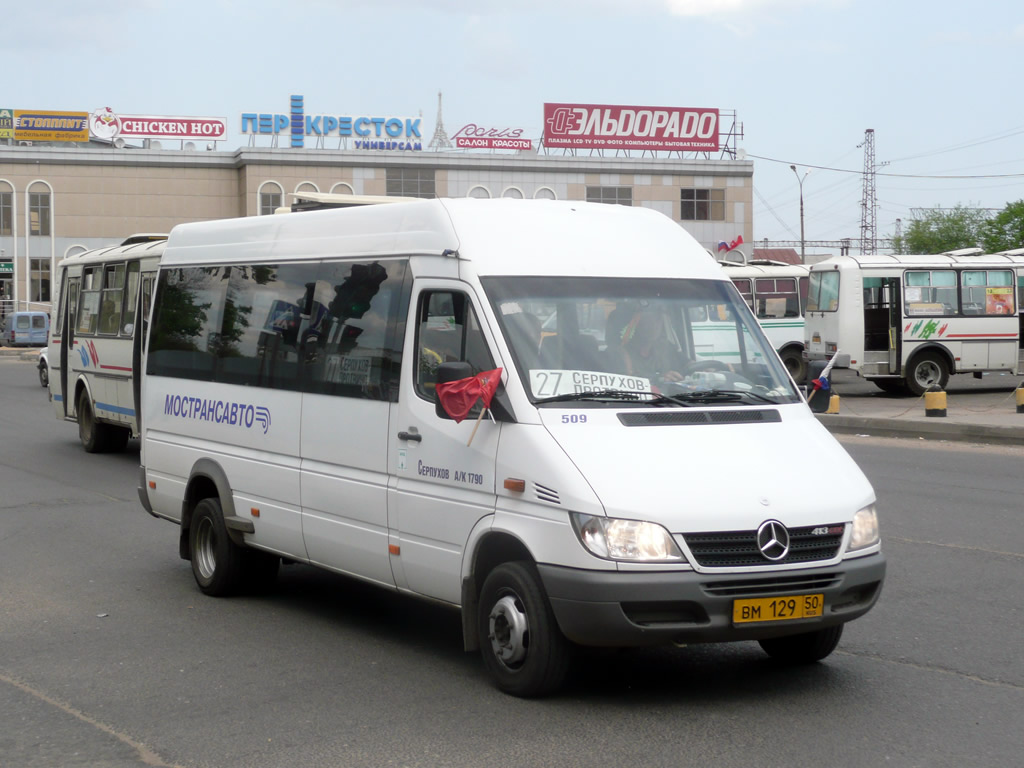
515	484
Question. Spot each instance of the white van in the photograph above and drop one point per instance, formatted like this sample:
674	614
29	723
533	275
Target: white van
620	492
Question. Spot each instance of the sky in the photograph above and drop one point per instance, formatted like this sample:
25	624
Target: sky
937	81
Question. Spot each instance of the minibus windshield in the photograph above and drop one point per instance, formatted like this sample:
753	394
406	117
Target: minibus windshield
619	341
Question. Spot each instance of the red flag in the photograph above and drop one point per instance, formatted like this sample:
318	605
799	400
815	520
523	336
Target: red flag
458	397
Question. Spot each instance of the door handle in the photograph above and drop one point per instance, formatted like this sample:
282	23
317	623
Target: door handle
413	436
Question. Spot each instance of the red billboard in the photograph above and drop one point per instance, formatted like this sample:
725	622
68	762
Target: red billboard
600	126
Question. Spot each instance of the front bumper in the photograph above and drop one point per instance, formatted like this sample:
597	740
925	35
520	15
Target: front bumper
620	609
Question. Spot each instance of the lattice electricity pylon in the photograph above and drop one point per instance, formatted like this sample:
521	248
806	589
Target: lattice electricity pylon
869	203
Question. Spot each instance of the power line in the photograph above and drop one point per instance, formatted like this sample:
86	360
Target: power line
891	175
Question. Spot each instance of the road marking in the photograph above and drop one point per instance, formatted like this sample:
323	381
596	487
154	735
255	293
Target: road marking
146	755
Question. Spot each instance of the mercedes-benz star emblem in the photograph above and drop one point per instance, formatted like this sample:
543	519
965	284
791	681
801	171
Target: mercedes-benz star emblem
773	540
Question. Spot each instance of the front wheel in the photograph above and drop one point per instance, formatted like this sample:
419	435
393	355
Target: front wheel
805	648
522	646
927	370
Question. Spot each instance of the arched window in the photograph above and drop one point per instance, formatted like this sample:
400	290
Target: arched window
479	192
271	197
513	192
545	193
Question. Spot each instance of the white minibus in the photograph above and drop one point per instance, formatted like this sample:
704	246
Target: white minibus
777	294
95	346
291	412
908	322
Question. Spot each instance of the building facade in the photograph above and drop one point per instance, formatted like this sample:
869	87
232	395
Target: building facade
61	199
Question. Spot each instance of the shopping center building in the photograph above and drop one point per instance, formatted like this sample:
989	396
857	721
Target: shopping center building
59	196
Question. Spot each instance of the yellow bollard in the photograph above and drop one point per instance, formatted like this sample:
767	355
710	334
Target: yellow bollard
833	404
935	403
1020	399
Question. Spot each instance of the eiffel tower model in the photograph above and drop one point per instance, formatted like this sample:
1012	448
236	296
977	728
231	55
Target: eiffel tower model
440	139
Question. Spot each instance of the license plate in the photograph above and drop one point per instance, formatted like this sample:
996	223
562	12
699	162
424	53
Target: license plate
781	608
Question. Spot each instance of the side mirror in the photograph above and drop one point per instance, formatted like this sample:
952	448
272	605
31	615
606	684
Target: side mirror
449	372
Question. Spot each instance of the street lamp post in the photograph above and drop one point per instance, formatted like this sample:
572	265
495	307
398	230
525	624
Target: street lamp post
800	179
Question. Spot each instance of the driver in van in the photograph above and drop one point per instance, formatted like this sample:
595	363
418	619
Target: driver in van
646	349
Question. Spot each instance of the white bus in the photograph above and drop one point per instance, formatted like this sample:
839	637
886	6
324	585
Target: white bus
908	322
96	339
777	294
293	409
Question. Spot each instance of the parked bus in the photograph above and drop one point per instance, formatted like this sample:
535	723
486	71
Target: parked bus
293	410
777	294
96	340
908	322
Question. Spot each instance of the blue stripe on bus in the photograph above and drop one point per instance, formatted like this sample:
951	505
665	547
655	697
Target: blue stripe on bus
115	409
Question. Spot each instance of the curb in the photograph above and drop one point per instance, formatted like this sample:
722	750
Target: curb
930	430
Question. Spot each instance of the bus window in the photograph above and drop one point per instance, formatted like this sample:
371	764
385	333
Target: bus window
743	286
823	292
130	299
776	297
89	304
987	291
930	292
113	294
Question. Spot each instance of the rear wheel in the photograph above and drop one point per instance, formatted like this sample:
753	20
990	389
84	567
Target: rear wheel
925	371
217	562
95	435
805	648
796	365
44	374
521	644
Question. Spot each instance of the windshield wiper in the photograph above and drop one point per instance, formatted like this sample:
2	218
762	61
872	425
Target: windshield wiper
721	396
597	394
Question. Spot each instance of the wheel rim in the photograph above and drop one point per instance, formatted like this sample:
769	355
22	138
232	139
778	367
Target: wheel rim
203	556
926	374
509	631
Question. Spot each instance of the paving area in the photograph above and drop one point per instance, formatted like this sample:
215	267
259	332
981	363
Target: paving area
979	410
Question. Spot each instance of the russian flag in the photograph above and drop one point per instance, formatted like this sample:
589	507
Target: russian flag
722	246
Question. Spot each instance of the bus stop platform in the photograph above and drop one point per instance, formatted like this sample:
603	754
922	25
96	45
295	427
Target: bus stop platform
978	410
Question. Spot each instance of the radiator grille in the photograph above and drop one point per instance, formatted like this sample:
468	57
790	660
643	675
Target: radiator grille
732	549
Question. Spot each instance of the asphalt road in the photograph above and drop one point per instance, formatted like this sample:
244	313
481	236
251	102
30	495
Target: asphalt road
110	656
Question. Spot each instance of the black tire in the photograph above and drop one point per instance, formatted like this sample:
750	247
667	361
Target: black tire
926	370
806	648
218	564
44	375
522	647
95	436
794	361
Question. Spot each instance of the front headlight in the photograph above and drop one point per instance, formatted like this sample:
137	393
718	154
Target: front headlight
632	540
865	529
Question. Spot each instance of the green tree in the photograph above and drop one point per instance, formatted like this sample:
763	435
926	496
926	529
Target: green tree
1005	230
942	229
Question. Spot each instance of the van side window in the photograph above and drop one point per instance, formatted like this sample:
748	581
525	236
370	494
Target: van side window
328	328
234	324
354	328
447	331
